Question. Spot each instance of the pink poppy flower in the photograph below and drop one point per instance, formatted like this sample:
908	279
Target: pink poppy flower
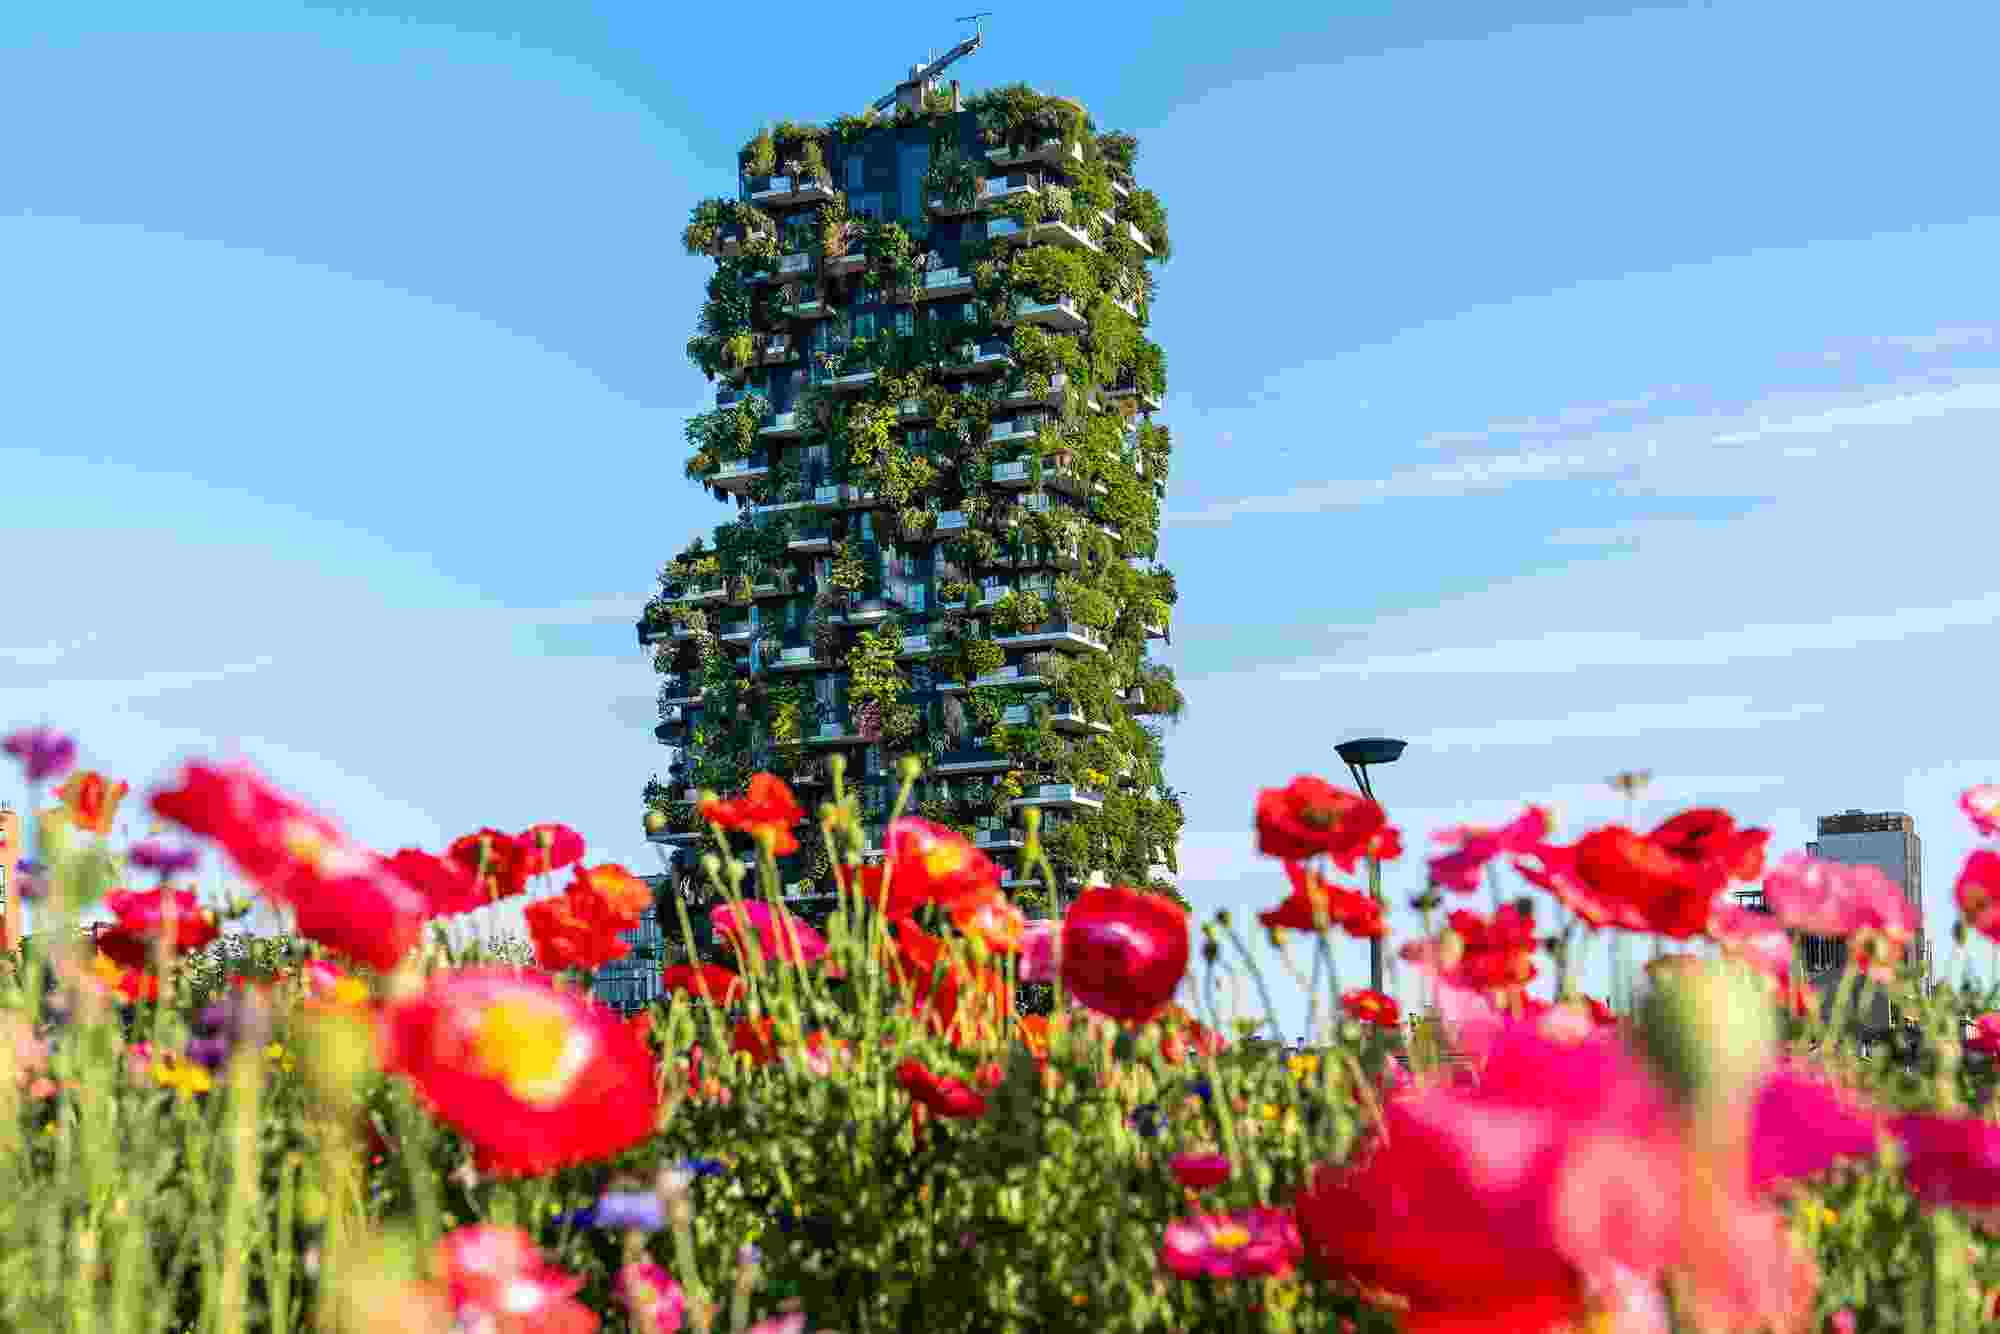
1826	898
1255	1243
1199	1171
1981	805
1041	951
1459	869
1978	892
653	1297
1985	1037
1951	1160
1802	1123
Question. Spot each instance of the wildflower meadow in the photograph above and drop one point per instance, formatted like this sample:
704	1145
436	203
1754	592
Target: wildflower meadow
934	1115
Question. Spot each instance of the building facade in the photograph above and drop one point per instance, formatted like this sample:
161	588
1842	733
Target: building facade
935	433
1886	840
633	982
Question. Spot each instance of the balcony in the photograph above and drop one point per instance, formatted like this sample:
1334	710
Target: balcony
992	355
1060	796
1019	396
835	733
1014	430
854	261
1068	718
913	410
736	475
679	690
989	597
1061	476
730	395
776	348
1131	309
797	658
783	426
1060	314
852	382
1049	231
1137	237
700	594
1017	880
1015	715
1155	631
812	542
1054	152
1013	473
781	190
915	646
794	266
868	610
999	839
970	761
942	284
734	237
806	308
949	521
1148	401
1006	676
1037	504
1055	633
736	634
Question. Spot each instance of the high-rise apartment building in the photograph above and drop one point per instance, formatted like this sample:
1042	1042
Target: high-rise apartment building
1886	840
935	432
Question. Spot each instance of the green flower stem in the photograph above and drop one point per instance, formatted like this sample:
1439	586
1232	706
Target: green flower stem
1256	974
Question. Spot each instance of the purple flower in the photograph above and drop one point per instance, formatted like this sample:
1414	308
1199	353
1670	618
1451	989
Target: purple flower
42	751
633	1211
165	858
28	880
209	1053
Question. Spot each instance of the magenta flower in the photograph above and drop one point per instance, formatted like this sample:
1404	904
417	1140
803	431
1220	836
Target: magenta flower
1981	805
1459	870
653	1297
1825	898
1951	1160
772	929
1041	946
1255	1243
42	751
166	859
1199	1171
1802	1123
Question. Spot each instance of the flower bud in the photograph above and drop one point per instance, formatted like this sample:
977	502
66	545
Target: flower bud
909	769
1708	1031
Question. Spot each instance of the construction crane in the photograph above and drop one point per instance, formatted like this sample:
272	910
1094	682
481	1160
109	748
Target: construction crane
921	77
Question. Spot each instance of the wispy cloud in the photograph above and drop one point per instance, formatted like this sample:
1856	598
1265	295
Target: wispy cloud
1700	714
1567	651
1706	449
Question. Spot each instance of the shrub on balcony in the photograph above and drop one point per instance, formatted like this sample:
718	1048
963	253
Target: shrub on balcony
954	179
1019	612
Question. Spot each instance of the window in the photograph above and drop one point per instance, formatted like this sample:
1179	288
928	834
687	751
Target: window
871	760
906	322
857	172
913	158
864	325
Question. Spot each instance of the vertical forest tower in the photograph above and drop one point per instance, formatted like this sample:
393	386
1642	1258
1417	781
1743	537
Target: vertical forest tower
933	430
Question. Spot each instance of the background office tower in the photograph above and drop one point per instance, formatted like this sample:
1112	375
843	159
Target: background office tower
935	430
1886	840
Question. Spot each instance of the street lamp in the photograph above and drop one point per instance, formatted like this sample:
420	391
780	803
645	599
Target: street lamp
1359	753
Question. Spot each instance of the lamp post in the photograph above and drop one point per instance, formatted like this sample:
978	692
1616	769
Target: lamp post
1360	753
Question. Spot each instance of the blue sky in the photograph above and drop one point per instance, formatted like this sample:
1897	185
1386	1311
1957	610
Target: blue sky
1564	388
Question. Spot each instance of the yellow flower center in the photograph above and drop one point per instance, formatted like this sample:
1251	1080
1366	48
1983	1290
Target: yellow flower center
943	859
1230	1238
350	991
530	1048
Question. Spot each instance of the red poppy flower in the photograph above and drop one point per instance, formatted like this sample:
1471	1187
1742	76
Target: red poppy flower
937	997
92	799
1664	882
768	809
1124	952
1978	892
1311	816
707	981
448	887
619	895
1199	1171
940	1095
536	1076
758	1040
572	930
142	920
547	848
990	918
1372	1007
1351	910
1187	1034
136	985
1490	954
498	863
340	894
936	864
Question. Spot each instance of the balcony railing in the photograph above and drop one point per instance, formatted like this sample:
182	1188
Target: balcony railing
1011	473
971	760
942	283
791	266
1060	313
737	474
789	190
1013	430
812	542
1055	633
915	645
1060	794
949	521
783	426
992	354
